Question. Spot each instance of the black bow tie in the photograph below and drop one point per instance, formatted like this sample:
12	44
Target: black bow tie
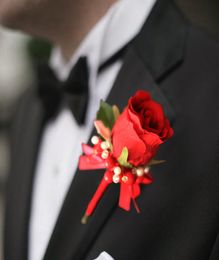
72	93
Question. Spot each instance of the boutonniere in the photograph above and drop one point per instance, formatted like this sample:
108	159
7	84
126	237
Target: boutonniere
125	146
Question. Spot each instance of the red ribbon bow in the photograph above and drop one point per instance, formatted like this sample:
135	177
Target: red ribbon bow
129	182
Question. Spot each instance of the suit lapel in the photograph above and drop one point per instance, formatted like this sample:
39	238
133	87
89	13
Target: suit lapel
161	42
20	183
145	64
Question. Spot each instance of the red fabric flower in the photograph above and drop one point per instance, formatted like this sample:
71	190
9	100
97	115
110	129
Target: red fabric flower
142	128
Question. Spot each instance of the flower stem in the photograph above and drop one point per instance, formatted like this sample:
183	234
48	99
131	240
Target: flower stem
84	219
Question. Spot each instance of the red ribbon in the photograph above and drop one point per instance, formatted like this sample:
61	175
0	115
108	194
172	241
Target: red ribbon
130	190
106	180
129	182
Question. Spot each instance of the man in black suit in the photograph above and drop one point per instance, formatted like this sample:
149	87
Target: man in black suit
165	55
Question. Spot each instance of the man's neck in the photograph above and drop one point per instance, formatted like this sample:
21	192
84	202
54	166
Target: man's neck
84	17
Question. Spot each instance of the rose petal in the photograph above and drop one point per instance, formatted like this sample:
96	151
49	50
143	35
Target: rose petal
124	135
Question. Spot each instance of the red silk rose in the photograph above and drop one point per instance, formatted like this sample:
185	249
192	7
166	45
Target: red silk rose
142	128
125	147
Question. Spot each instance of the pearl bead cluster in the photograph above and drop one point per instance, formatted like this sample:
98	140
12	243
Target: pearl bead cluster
117	171
139	172
104	146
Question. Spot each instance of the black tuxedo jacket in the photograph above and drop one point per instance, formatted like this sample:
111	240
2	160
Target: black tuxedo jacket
179	65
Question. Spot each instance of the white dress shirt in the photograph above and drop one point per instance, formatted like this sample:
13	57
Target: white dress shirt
104	256
61	141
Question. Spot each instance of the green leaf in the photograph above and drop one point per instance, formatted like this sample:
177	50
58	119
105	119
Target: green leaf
116	112
106	114
123	158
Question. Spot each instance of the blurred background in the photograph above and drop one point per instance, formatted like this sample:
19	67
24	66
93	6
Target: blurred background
17	55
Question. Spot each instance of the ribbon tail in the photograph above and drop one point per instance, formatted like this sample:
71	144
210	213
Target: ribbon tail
106	180
136	205
135	193
125	196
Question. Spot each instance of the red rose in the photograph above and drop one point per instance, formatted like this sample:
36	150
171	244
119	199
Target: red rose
142	128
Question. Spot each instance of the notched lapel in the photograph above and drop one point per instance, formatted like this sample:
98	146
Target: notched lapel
161	42
134	76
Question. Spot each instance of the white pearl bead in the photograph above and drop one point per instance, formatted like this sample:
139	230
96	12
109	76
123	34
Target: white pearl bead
105	154
117	170
140	171
104	145
115	178
146	170
95	140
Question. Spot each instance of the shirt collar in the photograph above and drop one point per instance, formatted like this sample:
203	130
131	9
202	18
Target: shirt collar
120	25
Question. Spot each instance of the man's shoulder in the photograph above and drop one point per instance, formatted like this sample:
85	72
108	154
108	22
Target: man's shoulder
24	100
